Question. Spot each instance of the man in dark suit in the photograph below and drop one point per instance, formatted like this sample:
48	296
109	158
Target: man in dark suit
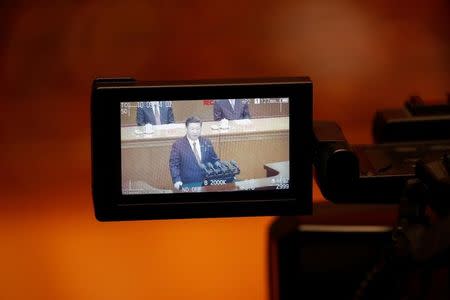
231	109
188	153
155	113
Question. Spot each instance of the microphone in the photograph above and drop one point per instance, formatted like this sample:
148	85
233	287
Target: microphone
210	165
235	165
204	168
221	166
227	163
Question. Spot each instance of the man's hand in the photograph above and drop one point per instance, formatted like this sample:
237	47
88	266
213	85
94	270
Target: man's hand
178	185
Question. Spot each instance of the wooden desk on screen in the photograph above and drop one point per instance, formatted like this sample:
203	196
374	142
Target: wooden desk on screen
252	143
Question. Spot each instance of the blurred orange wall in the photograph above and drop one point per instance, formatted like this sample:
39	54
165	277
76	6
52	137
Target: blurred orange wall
362	56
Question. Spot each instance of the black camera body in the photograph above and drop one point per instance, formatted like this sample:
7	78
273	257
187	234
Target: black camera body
153	157
375	234
378	173
138	174
368	173
416	121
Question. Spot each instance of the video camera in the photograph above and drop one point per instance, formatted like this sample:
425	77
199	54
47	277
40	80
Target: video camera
270	130
146	165
389	234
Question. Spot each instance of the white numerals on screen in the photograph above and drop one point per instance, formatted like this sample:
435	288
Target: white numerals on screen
217	182
282	186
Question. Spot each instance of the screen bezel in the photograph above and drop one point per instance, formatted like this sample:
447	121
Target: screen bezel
109	202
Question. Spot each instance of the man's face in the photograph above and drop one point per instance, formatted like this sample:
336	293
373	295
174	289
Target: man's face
194	130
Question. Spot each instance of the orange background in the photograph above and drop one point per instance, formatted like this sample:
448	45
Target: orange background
361	57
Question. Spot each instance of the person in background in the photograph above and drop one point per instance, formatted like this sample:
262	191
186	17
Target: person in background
231	109
155	113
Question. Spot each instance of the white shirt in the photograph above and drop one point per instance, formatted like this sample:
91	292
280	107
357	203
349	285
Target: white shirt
155	106
197	147
156	112
232	102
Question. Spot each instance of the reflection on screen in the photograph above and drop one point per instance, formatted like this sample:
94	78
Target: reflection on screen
208	145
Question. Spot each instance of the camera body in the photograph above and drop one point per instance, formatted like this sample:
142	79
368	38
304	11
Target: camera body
375	234
260	151
378	173
368	173
415	121
153	157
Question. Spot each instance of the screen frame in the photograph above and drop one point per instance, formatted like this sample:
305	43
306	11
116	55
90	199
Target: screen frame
111	205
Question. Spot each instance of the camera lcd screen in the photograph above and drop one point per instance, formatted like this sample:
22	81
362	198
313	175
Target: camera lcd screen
205	145
215	148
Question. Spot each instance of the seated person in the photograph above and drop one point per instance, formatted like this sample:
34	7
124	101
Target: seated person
187	154
155	113
231	109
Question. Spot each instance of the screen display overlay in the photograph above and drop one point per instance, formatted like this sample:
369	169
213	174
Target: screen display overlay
205	145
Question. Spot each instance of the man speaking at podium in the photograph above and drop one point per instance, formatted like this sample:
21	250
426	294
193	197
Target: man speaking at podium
231	109
155	113
188	153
